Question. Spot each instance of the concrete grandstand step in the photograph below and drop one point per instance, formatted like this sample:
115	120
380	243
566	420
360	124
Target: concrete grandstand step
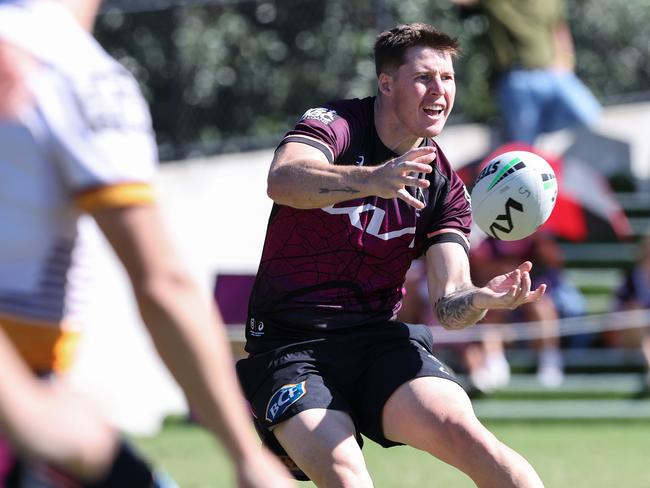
610	255
597	303
638	201
601	279
488	409
580	383
574	387
599	360
640	225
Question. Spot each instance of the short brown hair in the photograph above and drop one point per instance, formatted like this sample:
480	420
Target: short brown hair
391	45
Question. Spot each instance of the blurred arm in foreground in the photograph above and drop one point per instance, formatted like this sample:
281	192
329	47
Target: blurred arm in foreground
76	125
49	422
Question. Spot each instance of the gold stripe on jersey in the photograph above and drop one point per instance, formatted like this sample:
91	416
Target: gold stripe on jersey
43	346
121	195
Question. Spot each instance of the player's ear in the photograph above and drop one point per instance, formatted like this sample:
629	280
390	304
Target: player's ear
385	83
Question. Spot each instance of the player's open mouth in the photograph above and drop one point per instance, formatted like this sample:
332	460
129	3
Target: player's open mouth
434	110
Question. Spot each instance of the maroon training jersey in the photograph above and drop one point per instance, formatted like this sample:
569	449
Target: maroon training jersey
344	265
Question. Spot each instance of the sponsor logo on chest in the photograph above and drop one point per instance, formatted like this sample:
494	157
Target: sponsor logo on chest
376	226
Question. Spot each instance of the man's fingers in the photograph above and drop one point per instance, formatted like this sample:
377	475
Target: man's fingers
525	283
537	294
525	267
425	159
420	151
416	167
415	181
421	155
402	194
516	278
516	291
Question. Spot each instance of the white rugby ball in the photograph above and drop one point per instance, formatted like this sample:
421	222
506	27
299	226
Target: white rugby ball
513	195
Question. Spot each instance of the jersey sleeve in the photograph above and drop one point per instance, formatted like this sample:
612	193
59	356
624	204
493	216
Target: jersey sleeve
101	134
452	216
324	129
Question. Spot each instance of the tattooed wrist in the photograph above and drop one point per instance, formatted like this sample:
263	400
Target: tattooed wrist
347	189
456	310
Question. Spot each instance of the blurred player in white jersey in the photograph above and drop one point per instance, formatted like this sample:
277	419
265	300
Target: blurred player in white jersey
76	137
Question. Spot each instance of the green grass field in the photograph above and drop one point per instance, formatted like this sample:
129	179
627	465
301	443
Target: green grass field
598	454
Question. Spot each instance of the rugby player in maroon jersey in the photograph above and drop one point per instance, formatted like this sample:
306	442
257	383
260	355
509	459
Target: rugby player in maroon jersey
360	190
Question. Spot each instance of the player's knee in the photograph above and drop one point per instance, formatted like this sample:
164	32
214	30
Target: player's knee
346	472
466	434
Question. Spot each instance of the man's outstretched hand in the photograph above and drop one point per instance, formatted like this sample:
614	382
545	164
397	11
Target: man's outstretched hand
509	290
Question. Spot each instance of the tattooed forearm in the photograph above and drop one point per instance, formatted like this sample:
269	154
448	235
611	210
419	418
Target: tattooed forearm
347	189
455	310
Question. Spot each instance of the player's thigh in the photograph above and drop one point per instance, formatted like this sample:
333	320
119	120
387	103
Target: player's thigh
435	415
323	443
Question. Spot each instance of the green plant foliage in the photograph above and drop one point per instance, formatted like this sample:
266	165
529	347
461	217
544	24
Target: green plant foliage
227	75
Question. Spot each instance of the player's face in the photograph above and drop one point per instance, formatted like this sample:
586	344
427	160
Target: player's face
425	89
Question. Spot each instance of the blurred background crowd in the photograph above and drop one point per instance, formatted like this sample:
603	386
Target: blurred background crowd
226	78
566	79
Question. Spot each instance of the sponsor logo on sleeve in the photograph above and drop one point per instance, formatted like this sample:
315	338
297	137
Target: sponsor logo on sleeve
324	115
283	398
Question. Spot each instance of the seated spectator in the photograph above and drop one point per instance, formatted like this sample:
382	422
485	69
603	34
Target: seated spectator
634	294
485	362
490	369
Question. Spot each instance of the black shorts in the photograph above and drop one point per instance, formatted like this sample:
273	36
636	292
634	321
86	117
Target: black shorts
352	370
